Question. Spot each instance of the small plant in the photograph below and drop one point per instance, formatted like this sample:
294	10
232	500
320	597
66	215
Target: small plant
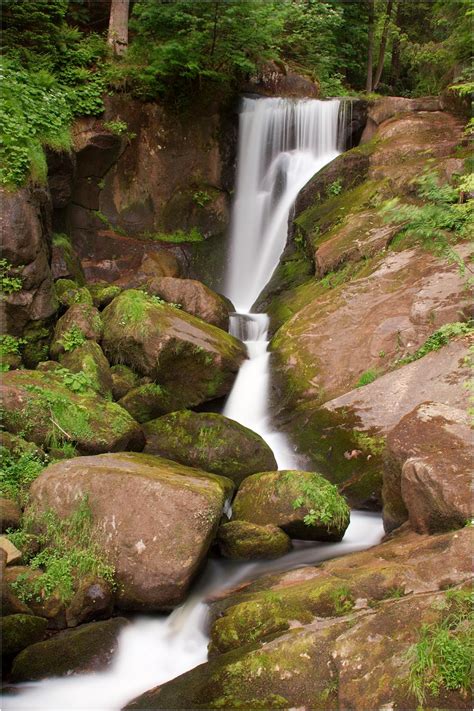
162	302
18	471
324	503
334	188
10	345
343	600
201	198
10	282
69	550
368	377
438	339
117	127
73	338
442	658
76	382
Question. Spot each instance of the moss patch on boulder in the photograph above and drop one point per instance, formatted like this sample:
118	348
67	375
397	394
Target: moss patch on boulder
242	540
19	631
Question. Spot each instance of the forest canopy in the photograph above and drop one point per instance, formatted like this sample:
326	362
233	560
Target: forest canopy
57	62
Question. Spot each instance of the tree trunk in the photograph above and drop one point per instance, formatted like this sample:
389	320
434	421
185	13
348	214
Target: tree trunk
370	52
117	36
383	45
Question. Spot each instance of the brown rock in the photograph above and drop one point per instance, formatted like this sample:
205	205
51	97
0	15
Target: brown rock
389	106
10	514
92	600
275	79
194	297
48	605
156	519
25	227
13	554
427	473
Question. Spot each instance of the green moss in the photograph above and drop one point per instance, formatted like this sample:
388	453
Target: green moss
177	237
19	631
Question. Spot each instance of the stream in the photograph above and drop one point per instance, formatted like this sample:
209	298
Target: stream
282	144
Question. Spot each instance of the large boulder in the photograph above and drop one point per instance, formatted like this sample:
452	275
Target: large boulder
88	648
303	504
41	407
191	359
155	519
81	322
20	631
346	436
427	470
242	540
209	441
194	297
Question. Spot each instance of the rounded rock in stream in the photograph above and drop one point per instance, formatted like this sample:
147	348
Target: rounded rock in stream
304	504
211	442
154	519
241	540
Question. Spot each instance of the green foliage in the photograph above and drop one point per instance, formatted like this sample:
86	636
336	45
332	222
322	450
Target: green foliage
442	658
10	282
334	188
201	198
69	552
76	382
119	128
438	339
10	345
343	600
72	338
68	421
367	377
17	473
324	503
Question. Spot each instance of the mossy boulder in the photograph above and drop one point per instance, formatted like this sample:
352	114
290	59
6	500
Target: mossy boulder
147	401
188	357
155	519
211	442
123	380
64	260
103	293
48	604
70	294
303	504
194	297
90	360
92	600
19	631
81	322
86	649
41	407
242	540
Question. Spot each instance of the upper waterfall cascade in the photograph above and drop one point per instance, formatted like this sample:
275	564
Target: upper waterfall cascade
282	144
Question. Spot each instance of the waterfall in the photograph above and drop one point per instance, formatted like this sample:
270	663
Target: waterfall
282	144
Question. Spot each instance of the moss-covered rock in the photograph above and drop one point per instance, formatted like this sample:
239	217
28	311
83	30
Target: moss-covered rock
41	407
64	260
148	401
47	604
81	322
19	631
90	360
103	293
303	504
155	519
188	357
194	297
70	293
242	540
89	648
211	442
37	336
123	380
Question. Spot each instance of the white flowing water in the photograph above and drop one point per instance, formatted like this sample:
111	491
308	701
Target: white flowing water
282	144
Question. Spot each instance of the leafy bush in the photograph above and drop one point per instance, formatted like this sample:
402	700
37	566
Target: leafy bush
69	551
72	338
18	471
10	282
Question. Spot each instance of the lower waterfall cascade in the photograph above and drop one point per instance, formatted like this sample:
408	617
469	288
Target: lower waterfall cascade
282	144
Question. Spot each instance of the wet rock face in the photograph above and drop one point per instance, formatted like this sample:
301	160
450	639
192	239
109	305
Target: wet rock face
191	360
355	619
209	441
155	519
89	648
25	224
274	79
427	472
